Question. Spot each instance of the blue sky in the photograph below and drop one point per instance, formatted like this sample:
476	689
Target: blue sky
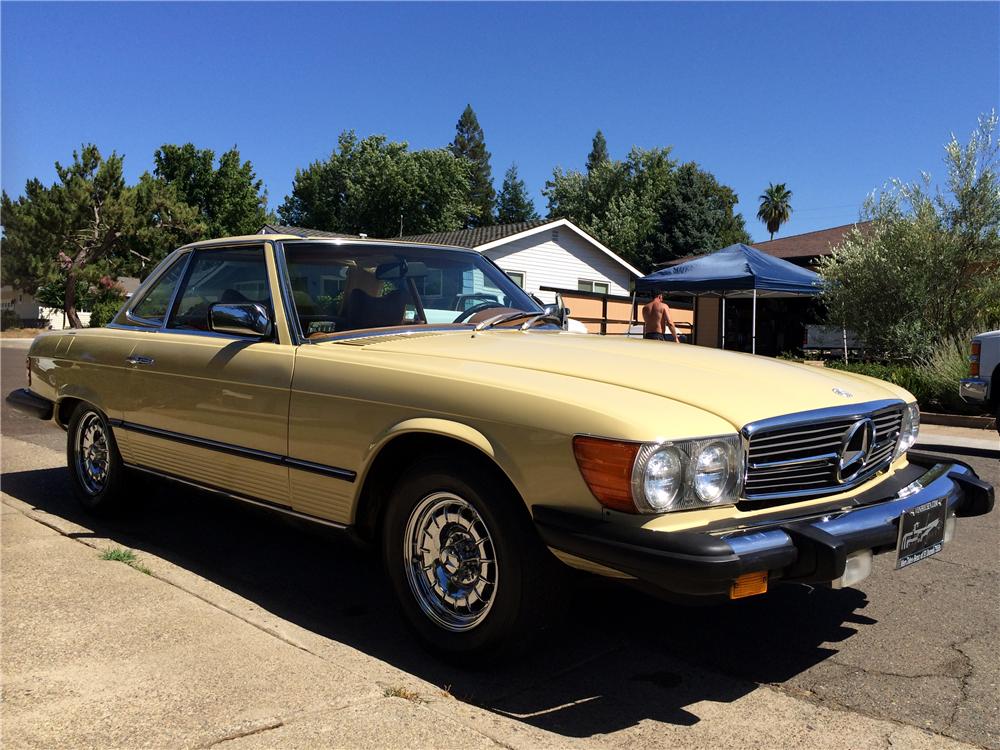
832	99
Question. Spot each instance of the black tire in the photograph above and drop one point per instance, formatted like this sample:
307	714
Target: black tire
521	598
95	465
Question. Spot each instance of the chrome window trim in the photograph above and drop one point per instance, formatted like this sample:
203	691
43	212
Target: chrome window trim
813	416
182	256
177	289
228	245
371	246
285	291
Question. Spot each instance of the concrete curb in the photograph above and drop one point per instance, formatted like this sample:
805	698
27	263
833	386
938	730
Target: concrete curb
959	420
962	450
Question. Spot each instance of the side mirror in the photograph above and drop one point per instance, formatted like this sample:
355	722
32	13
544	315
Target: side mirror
240	319
557	311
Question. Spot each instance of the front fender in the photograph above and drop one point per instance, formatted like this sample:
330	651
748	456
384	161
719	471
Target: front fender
447	428
435	426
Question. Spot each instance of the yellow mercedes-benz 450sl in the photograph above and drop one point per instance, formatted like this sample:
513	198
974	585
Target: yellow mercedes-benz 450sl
415	396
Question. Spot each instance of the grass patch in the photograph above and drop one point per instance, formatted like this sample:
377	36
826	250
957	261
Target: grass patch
127	556
402	692
118	554
20	333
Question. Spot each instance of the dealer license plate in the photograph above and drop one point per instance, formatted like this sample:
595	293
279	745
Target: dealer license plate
921	532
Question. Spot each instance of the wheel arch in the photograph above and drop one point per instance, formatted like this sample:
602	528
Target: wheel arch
69	396
65	408
405	444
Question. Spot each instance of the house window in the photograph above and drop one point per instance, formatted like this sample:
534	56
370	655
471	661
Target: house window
595	287
517	277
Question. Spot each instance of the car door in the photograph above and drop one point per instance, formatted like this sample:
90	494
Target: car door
210	407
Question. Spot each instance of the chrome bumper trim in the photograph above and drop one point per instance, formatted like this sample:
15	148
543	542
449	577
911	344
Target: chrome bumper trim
973	390
856	522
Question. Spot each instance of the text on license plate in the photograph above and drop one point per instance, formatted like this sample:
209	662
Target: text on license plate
921	532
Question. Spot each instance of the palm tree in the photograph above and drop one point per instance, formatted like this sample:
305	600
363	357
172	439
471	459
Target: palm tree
775	207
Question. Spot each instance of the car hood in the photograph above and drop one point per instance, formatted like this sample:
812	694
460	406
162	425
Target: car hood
740	388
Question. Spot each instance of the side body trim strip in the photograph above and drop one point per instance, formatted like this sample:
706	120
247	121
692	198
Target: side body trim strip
272	458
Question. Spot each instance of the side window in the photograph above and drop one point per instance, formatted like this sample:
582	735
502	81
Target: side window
233	276
153	306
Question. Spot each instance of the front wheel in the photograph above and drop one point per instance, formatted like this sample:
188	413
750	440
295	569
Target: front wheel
95	465
466	565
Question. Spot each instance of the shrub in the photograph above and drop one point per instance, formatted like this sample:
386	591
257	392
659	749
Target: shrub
927	267
103	312
9	319
933	380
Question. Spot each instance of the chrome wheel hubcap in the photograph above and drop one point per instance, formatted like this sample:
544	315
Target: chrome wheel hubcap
450	561
92	457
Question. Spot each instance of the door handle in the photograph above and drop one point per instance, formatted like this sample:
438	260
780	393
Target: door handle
136	359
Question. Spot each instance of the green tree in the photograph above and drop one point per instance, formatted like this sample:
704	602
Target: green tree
86	225
696	215
380	188
775	207
230	198
470	144
513	203
927	269
646	208
598	152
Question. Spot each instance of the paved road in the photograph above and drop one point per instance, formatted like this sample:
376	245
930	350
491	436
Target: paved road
916	647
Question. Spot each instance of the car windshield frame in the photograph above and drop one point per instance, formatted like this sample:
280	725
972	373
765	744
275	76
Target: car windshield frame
518	298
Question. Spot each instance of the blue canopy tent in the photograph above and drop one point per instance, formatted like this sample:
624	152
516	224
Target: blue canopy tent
735	271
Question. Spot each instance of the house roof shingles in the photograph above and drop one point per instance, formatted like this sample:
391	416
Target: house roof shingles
798	247
458	238
478	236
303	232
810	244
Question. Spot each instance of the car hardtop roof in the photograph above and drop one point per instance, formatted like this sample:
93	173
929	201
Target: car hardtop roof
369	242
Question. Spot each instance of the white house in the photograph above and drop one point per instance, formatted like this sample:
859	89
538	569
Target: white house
552	254
30	313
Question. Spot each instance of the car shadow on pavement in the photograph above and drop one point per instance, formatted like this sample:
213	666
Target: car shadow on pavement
617	657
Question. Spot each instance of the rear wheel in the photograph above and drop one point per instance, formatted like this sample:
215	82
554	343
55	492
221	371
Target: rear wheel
467	566
95	464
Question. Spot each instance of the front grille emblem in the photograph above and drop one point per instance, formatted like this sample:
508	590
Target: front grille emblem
854	449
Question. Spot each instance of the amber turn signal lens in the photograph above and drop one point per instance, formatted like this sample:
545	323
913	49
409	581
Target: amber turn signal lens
606	466
977	347
749	584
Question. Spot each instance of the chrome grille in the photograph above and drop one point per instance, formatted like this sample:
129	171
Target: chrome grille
799	455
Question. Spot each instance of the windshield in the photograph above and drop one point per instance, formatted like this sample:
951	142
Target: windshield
348	288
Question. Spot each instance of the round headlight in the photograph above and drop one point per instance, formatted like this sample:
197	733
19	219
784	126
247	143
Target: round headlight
713	467
662	478
908	429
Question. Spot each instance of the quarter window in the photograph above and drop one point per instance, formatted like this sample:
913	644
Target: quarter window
228	276
153	306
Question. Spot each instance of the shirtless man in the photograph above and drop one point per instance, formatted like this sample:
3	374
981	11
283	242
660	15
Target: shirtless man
656	318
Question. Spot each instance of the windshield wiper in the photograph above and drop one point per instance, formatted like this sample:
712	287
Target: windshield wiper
534	317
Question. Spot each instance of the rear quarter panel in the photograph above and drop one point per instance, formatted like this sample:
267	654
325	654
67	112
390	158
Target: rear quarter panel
85	364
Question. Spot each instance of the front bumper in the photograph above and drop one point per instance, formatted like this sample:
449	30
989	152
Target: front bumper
809	548
973	390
